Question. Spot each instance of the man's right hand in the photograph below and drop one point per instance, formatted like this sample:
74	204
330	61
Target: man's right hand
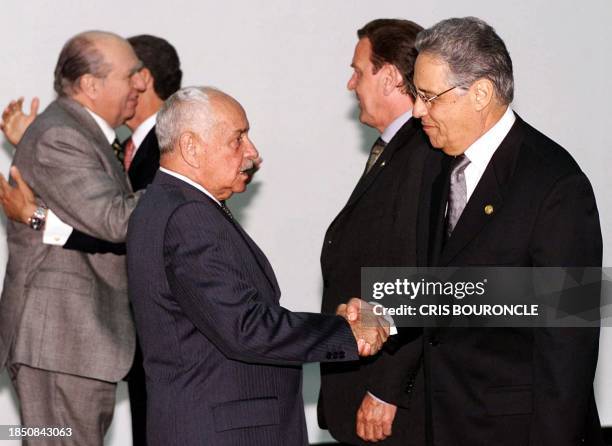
370	331
15	122
18	202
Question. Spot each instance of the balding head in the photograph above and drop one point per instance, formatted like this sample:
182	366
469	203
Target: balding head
100	71
79	56
203	134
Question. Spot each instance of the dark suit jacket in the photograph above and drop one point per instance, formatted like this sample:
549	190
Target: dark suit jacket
516	386
141	173
145	163
222	357
377	227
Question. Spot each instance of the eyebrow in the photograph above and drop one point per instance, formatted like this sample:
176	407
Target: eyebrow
139	66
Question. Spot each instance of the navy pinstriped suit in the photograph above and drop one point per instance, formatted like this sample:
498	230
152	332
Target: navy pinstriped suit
222	357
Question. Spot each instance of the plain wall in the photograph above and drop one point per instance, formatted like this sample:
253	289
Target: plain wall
288	63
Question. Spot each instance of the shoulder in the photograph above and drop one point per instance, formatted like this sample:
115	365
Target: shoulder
552	161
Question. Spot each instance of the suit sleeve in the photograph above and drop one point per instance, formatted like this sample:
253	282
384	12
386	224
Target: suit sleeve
77	188
210	282
567	234
79	241
391	377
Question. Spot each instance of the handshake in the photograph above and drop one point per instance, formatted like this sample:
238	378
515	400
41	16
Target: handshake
370	331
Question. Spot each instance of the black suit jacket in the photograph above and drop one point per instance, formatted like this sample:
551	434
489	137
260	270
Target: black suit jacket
145	163
515	386
222	357
377	227
141	173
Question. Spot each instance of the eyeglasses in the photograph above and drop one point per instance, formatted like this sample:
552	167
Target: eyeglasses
428	100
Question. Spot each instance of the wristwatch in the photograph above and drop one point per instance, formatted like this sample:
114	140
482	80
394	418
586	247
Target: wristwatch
37	220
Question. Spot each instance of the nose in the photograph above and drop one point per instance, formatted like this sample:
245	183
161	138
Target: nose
420	109
351	84
251	151
138	82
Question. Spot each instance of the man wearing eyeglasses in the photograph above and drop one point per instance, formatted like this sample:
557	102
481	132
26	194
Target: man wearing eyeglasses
513	198
377	227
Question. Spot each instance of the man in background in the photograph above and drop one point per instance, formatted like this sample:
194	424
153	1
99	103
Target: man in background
65	322
377	227
139	155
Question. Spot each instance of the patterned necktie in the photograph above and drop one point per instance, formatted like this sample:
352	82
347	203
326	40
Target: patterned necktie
118	150
457	196
377	149
226	210
128	154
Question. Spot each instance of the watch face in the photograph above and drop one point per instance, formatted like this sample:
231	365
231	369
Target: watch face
36	223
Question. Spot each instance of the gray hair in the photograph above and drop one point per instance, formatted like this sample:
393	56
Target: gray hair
473	50
78	57
189	109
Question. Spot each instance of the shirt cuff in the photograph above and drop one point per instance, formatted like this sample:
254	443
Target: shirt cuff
56	232
378	399
392	327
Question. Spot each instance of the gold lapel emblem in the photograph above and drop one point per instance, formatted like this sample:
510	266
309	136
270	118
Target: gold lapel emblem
383	164
488	209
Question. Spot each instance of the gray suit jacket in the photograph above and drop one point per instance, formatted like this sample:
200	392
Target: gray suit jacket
64	310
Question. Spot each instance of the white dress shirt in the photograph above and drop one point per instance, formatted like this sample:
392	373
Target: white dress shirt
189	181
482	150
142	131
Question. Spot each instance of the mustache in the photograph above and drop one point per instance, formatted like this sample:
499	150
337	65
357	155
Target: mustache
251	166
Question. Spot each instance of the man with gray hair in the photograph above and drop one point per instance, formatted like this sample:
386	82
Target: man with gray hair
222	357
66	331
513	198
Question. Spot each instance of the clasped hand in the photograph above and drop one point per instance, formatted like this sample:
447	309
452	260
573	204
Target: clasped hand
370	331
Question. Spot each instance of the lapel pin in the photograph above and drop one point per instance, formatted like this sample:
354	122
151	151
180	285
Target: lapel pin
488	209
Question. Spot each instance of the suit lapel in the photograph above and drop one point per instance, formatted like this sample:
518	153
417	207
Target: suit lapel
142	153
258	255
489	193
80	114
404	133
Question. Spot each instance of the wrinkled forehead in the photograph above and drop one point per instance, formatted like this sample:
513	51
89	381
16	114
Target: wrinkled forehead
430	71
229	110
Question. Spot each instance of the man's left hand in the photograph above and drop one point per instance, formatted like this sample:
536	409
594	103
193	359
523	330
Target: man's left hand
18	202
374	419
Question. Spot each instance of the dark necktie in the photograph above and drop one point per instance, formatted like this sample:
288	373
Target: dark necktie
128	153
118	150
457	196
226	210
375	152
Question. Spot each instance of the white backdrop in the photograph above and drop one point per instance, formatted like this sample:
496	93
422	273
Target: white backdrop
288	63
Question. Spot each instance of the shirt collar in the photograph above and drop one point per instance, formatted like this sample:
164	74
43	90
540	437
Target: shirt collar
397	124
482	150
108	131
143	130
189	181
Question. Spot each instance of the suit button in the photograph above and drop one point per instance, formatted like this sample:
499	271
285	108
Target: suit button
328	355
434	342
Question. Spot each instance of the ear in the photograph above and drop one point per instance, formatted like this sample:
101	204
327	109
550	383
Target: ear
147	77
189	146
482	91
89	86
392	78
